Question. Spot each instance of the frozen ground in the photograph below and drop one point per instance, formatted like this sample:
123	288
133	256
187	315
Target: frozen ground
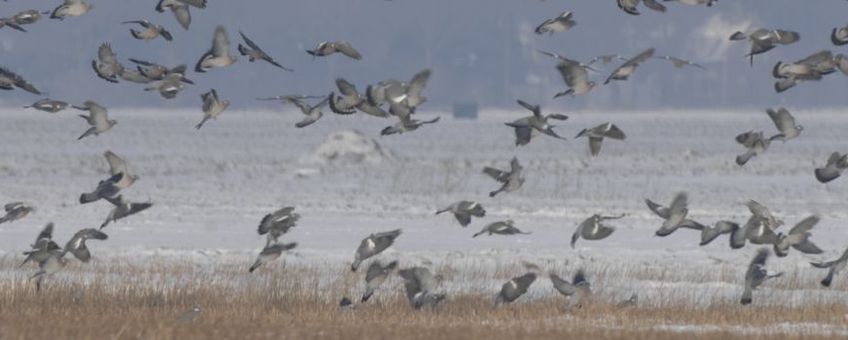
211	187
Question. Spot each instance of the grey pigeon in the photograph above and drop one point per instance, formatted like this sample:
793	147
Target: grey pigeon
76	245
798	238
538	123
708	234
43	248
151	31
312	113
375	276
597	134
511	180
168	87
345	103
326	48
53	262
836	163
834	267
9	80
420	286
218	55
270	253
593	228
763	40
47	105
98	119
406	124
71	8
180	8
756	144
631	302
785	124
190	316
839	36
106	66
514	288
578	290
561	23
278	223
709	3
253	52
811	68
463	211
629	6
373	245
213	106
16	211
500	228
123	209
674	216
756	275
627	69
680	63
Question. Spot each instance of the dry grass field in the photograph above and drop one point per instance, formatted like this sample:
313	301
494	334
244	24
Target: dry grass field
128	299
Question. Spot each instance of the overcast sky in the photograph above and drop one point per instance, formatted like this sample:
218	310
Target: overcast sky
480	51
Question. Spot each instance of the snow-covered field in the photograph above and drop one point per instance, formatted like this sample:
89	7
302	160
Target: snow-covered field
211	187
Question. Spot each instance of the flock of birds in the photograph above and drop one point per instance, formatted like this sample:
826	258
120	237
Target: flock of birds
398	99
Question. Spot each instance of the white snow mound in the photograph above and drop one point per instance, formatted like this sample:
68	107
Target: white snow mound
349	147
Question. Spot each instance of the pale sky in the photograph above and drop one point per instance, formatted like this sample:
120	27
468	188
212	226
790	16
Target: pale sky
479	50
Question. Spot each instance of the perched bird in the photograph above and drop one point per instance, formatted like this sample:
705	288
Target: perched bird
277	223
463	210
674	216
212	107
406	124
253	52
76	245
151	31
679	63
754	142
798	238
123	209
538	123
373	245
271	252
107	66
839	36
190	316
561	23
218	55
834	267
501	228
593	228
785	124
375	276
9	80
327	48
420	286
627	69
577	291
597	134
511	180
756	275
312	113
763	40
629	6
71	8
836	163
16	211
514	288
98	119
180	8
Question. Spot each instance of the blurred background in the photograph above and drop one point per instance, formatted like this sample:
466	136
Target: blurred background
481	51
